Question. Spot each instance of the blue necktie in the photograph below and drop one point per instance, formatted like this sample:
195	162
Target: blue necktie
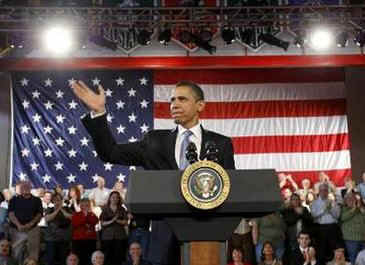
184	163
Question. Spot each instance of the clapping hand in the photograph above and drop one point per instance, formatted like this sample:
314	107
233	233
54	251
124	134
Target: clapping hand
94	101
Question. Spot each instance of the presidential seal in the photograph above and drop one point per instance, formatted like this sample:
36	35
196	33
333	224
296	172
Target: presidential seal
205	185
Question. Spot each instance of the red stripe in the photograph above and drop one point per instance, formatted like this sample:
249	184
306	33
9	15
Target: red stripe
291	144
247	76
337	176
262	109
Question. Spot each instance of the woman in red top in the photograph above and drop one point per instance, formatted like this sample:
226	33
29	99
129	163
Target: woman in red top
83	232
237	257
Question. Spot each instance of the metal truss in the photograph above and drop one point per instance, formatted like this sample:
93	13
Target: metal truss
293	17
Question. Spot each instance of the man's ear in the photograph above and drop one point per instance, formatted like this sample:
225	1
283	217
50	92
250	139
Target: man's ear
201	105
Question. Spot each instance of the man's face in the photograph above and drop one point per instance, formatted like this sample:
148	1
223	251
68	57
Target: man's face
47	197
304	240
4	248
72	260
101	183
323	192
185	107
135	251
25	189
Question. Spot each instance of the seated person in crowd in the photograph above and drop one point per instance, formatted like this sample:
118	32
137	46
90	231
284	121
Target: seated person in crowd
268	255
97	258
135	254
237	257
5	257
299	254
339	256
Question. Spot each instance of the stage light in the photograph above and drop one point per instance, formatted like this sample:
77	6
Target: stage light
321	39
300	39
247	36
205	35
360	38
228	35
58	39
342	39
187	37
144	37
272	40
165	36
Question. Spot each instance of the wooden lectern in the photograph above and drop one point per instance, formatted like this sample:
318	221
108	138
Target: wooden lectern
203	233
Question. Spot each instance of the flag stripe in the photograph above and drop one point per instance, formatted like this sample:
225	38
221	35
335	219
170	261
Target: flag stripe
270	126
290	144
261	92
262	109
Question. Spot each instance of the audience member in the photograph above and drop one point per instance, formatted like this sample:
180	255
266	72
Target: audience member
310	257
100	194
25	211
237	255
73	199
306	187
119	187
30	261
360	259
5	257
339	256
324	179
114	238
287	182
361	187
269	228
83	192
326	214
311	196
139	232
58	231
299	254
297	218
242	239
83	232
97	258
135	255
268	255
353	225
3	216
72	259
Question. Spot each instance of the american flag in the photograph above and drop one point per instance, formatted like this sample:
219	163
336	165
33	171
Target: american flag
291	120
50	145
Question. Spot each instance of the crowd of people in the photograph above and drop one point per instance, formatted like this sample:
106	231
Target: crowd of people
94	226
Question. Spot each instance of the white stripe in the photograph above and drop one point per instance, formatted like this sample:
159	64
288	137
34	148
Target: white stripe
269	126
262	92
11	174
315	161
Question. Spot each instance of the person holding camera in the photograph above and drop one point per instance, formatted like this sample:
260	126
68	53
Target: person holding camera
353	225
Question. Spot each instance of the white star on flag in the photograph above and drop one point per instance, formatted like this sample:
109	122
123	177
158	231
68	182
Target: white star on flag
25	104
72	104
34	166
72	130
108	93
36	94
132	117
109	118
60	118
46	178
59	94
120	129
132	92
84	141
59	166
96	81
23	176
120	104
132	139
108	166
48	129
143	81
120	81
25	129
71	178
95	153
121	177
59	141
83	166
36	141
36	117
72	153
95	177
144	128
48	82
71	81
132	168
24	81
144	104
48	105
25	152
48	153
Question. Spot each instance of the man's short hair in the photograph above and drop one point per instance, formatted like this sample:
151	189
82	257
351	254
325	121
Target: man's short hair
198	91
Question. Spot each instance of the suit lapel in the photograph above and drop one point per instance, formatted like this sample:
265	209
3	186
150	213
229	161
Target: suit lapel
171	149
205	138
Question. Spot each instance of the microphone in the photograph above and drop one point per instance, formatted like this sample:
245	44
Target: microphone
191	154
211	151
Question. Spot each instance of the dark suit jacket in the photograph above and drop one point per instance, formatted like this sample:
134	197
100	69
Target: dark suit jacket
156	151
296	257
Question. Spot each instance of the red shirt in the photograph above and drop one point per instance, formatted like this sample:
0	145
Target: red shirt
83	227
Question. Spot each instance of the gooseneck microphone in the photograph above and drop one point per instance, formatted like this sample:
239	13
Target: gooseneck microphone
211	151
191	153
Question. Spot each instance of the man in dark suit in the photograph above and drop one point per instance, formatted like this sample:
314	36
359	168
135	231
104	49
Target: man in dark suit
299	254
159	149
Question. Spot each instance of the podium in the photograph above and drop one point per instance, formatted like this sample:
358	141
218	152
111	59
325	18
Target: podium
156	194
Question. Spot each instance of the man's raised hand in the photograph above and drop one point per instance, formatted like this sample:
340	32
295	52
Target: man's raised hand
94	101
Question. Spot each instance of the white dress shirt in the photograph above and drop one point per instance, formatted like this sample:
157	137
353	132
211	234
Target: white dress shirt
196	138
